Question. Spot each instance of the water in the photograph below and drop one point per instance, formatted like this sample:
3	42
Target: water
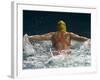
37	55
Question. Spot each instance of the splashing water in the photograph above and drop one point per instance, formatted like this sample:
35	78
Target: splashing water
37	55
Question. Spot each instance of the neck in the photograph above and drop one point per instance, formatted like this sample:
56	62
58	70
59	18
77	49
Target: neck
62	31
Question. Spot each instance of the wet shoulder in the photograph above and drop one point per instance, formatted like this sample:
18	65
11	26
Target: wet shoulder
67	35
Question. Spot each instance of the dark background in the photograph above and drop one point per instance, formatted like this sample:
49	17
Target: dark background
40	22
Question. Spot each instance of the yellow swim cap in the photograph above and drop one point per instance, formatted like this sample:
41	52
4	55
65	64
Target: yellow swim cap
61	26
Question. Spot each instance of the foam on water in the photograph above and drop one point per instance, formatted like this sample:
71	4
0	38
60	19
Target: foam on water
37	55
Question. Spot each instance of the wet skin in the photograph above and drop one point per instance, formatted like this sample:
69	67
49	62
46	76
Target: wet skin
60	40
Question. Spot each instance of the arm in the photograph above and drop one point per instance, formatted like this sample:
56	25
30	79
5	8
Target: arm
77	37
46	36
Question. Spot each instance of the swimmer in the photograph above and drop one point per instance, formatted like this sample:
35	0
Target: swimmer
61	39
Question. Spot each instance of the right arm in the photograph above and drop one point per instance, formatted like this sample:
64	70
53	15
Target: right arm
77	37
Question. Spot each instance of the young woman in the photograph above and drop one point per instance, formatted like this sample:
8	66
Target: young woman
61	39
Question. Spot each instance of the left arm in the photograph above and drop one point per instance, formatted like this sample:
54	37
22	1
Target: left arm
46	36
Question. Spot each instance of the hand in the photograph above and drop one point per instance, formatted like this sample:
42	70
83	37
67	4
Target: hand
30	38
